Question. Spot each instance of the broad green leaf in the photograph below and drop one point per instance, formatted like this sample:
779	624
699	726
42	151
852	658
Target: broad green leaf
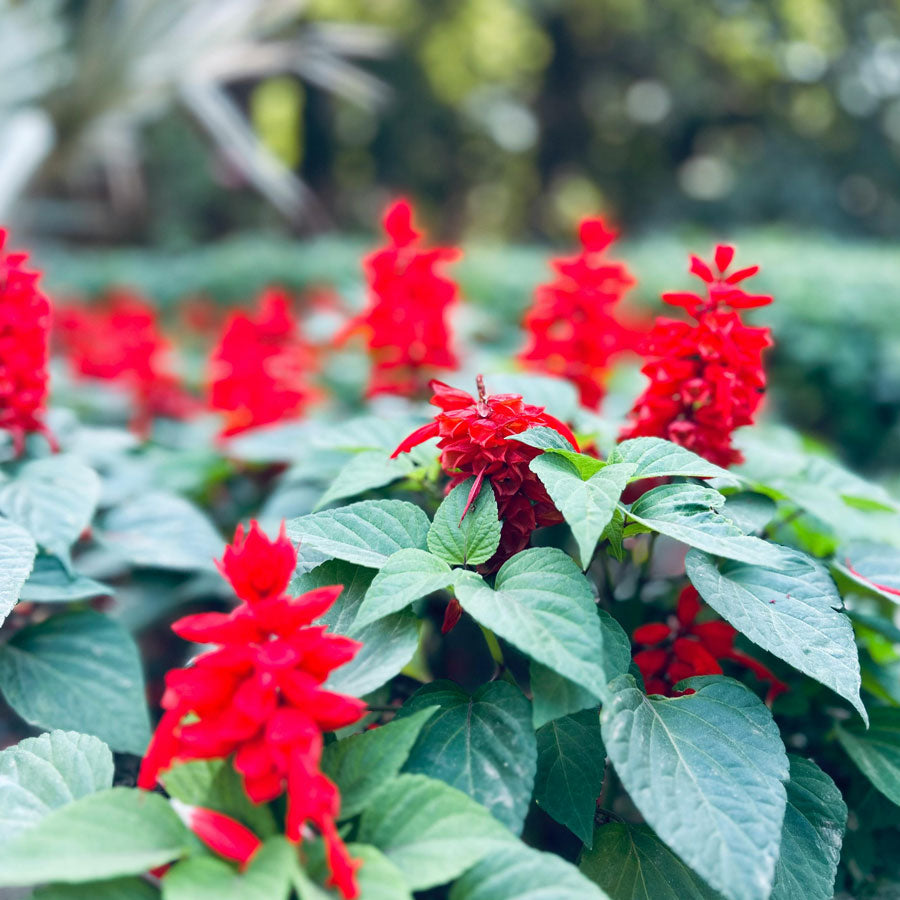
481	743
875	566
406	576
50	582
587	506
522	873
692	514
17	551
571	762
467	541
120	831
429	830
876	752
388	644
793	613
543	437
655	457
361	763
78	671
131	888
215	784
706	770
542	604
41	774
631	863
54	499
366	471
750	511
207	878
366	533
162	531
379	878
812	834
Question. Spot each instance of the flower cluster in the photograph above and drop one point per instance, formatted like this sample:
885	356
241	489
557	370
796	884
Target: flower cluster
572	331
707	377
120	340
259	368
684	648
24	339
405	323
259	694
473	443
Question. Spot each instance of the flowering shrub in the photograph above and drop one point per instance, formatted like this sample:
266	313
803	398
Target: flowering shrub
482	653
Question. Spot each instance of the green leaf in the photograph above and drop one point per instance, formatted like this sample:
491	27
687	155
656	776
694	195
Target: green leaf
571	762
792	613
51	582
54	499
41	774
429	830
543	437
481	743
366	471
78	671
360	764
133	888
388	644
542	604
587	506
379	878
876	752
116	832
692	514
614	534
406	576
467	541
522	873
750	511
162	531
655	457
366	533
206	878
17	551
631	863
875	566
706	771
812	834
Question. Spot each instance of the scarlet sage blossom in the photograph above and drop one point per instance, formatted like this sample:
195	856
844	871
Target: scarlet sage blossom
684	648
257	697
24	337
572	331
220	833
120	340
706	375
406	323
259	369
473	443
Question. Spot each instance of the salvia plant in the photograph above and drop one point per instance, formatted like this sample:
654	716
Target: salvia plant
265	641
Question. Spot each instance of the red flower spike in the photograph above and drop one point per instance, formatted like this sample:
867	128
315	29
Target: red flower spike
706	376
258	697
473	443
691	648
24	349
572	331
410	299
221	833
259	370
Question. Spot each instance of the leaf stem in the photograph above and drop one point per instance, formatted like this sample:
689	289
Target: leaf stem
493	646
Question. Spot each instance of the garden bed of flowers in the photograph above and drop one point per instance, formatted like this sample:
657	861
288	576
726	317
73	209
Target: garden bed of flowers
313	598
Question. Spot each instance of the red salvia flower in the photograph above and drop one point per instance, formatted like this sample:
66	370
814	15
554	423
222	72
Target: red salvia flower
259	368
683	648
24	339
473	444
706	378
572	331
120	340
258	695
220	833
405	324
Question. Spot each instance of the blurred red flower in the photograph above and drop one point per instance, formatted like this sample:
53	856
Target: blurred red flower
24	349
572	331
405	324
259	694
685	648
221	833
259	370
707	377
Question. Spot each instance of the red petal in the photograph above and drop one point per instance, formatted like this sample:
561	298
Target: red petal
701	269
651	634
741	274
236	627
724	256
420	435
688	605
224	835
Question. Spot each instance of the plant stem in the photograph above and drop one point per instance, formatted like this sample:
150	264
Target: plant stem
493	646
644	571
